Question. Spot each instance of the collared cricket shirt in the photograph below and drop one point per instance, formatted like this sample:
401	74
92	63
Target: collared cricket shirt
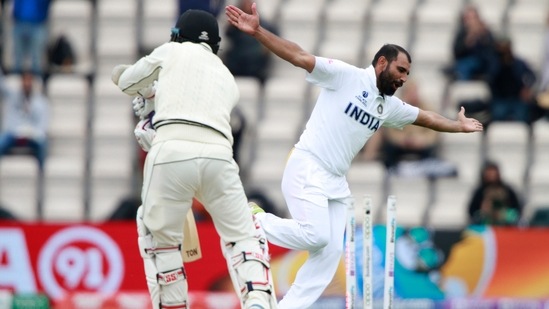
348	111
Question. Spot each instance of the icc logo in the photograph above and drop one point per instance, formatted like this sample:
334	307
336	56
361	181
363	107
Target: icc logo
80	258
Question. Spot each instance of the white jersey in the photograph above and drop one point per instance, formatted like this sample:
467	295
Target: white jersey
348	111
193	85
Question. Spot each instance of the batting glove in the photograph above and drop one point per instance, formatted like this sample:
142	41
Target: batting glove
144	133
142	107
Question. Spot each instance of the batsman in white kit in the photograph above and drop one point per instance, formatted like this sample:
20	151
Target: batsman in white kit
352	105
190	155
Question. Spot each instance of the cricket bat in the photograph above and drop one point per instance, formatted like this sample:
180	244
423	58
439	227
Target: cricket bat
191	250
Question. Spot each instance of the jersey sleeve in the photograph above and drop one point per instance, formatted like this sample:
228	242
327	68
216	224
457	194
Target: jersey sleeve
401	114
144	71
328	73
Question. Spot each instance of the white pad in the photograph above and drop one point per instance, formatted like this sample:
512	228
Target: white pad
168	287
144	240
250	270
173	284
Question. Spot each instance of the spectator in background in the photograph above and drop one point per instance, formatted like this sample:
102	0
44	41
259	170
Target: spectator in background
30	34
511	83
412	142
61	55
493	200
543	89
412	151
212	6
246	56
25	119
472	47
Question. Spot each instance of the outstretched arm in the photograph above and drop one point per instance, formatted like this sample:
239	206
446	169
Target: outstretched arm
287	50
439	123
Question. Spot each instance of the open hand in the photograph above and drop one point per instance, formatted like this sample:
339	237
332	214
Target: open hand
244	22
469	124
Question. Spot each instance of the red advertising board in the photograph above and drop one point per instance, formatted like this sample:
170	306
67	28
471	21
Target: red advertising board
63	260
60	259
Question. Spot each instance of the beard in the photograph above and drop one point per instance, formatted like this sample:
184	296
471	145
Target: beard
387	83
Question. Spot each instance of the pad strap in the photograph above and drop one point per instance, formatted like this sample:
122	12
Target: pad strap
256	286
249	286
174	306
147	250
249	256
154	251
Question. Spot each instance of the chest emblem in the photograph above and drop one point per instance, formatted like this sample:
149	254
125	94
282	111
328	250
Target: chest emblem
362	98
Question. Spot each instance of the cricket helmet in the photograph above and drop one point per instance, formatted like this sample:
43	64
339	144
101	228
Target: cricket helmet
197	26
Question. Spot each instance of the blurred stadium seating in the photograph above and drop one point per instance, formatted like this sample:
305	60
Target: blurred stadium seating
93	161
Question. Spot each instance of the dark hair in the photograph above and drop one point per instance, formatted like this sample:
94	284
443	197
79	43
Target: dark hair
489	165
390	52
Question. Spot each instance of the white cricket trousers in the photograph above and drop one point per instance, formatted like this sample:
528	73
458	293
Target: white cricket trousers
178	169
317	201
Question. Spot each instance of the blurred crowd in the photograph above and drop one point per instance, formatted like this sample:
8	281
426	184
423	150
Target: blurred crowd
518	92
481	54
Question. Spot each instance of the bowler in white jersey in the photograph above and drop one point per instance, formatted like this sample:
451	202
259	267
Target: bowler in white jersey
353	104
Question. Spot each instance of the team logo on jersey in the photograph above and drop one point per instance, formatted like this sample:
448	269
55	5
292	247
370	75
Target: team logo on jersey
362	97
380	109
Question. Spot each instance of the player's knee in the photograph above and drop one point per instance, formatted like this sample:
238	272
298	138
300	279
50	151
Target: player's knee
319	242
166	278
335	249
153	227
317	239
